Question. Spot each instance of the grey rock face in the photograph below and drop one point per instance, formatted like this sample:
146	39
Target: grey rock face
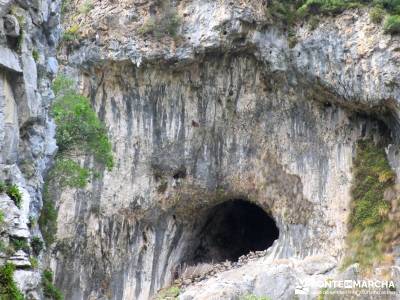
239	133
26	132
9	60
229	112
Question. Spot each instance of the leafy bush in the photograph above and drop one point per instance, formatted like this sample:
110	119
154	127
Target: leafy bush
20	244
3	247
49	290
65	5
392	24
35	55
78	131
3	187
166	24
288	12
14	193
391	6
48	217
78	127
369	215
168	293
86	7
31	221
376	15
34	262
37	245
1	218
327	7
8	287
70	173
72	33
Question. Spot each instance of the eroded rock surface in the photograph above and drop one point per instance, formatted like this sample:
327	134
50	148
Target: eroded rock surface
232	107
225	110
26	132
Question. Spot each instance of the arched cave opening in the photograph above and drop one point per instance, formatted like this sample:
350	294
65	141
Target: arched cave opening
232	229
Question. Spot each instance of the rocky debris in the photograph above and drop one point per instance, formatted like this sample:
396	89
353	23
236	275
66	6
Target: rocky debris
20	259
200	273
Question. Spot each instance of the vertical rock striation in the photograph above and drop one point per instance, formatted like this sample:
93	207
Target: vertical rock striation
28	37
204	102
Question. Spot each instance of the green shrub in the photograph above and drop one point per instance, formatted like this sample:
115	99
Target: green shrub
20	244
327	7
369	216
86	7
168	293
70	173
148	26
49	290
34	262
376	15
284	11
288	12
35	55
165	25
32	221
3	187
392	24
37	245
391	6
48	217
8	287
1	218
65	5
72	33
3	247
78	127
14	193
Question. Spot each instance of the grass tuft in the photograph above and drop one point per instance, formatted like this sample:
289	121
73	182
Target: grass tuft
369	218
49	290
8	287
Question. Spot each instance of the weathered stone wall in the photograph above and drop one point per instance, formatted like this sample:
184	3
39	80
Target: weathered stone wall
238	131
28	35
228	104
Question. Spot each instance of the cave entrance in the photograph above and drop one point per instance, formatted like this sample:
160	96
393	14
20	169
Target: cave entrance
232	229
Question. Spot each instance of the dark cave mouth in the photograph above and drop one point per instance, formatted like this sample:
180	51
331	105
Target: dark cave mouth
232	229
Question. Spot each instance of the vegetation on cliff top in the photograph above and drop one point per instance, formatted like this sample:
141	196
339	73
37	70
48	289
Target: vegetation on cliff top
166	24
371	230
290	11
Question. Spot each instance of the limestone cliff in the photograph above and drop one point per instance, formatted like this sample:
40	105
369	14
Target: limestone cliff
224	123
227	105
28	37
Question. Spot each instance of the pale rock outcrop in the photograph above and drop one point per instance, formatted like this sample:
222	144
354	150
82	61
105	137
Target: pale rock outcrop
26	131
225	110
